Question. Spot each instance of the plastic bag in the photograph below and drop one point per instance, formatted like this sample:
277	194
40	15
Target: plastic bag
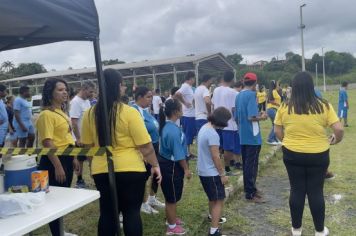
20	203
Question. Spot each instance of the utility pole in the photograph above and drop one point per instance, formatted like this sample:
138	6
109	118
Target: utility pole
302	26
316	74
322	53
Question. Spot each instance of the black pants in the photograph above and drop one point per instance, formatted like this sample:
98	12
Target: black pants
67	164
130	190
250	155
262	106
306	173
154	183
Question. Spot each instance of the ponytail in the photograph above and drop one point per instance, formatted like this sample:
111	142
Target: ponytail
172	106
162	120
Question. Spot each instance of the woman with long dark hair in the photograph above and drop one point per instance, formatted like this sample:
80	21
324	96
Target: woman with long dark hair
301	125
131	146
55	131
143	100
273	102
172	159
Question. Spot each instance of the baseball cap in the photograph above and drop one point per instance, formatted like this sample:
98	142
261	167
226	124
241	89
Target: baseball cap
250	77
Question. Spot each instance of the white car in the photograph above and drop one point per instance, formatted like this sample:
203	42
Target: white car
36	103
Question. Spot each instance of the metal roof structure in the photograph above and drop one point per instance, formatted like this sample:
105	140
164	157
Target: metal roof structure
213	63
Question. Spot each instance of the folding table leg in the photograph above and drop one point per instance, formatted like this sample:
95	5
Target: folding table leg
61	227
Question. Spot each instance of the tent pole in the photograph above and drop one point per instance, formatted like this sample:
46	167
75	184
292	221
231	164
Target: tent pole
102	99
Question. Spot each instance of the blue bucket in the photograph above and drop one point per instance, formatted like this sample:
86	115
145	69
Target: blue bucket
18	170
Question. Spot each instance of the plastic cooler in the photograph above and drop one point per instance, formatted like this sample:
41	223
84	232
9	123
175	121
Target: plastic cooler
18	170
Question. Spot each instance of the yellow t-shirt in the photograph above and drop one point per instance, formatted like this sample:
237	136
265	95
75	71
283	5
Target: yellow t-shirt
130	132
277	99
306	133
54	125
261	97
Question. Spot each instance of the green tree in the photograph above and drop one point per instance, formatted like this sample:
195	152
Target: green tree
7	66
235	58
28	69
112	62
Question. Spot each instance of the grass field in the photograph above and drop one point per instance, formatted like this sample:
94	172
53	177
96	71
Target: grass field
341	216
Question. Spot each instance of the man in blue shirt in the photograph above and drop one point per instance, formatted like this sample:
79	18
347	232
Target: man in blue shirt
343	103
22	123
4	120
247	118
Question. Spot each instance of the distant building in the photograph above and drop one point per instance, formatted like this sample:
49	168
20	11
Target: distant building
257	65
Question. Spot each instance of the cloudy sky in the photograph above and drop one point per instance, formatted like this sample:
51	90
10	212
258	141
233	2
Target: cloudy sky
155	29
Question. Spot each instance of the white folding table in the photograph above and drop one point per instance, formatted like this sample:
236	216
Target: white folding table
58	203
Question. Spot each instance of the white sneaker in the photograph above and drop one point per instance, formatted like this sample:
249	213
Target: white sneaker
154	202
146	208
325	232
296	232
274	143
69	234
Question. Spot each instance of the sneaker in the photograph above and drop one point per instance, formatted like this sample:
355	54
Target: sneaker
256	200
221	221
178	230
154	202
296	232
178	222
238	166
325	232
146	208
259	194
329	175
217	233
69	234
81	184
274	143
230	173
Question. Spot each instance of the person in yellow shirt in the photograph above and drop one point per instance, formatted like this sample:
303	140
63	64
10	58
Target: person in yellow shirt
131	145
261	98
55	131
301	125
273	102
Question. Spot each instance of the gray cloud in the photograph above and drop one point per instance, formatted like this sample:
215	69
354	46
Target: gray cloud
260	29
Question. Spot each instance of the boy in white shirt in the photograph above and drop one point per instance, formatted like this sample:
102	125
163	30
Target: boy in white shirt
156	103
202	102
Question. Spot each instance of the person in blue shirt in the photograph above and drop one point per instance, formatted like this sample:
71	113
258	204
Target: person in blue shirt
172	160
210	169
22	123
4	119
143	100
343	103
247	118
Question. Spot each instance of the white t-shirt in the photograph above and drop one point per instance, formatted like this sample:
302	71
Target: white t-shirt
188	96
77	108
156	101
225	97
200	107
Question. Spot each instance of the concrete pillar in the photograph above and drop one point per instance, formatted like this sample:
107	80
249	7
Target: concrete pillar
235	79
197	74
154	79
175	79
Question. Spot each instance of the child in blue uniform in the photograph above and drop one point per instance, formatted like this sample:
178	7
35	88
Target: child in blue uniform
172	160
343	103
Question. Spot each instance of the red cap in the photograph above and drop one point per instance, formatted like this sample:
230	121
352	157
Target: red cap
250	77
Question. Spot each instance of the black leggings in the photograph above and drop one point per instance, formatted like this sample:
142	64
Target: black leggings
67	164
130	188
306	173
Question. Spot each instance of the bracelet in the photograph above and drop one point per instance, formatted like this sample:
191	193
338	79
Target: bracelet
156	165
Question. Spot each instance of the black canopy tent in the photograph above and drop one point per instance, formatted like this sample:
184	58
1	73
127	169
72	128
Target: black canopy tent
25	23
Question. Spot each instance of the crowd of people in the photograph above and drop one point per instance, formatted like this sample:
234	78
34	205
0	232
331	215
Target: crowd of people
153	136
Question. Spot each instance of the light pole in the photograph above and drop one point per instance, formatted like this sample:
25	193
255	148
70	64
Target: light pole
322	54
316	74
302	26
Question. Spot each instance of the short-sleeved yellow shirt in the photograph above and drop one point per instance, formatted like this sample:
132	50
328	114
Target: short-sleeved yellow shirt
261	97
130	132
277	99
306	133
54	125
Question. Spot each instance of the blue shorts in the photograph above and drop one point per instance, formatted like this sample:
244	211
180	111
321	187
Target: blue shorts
199	124
3	133
231	141
213	187
188	124
21	134
342	113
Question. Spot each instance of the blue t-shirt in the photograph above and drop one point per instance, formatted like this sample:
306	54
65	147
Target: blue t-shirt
207	137
318	93
247	107
24	107
342	98
173	145
151	123
3	116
